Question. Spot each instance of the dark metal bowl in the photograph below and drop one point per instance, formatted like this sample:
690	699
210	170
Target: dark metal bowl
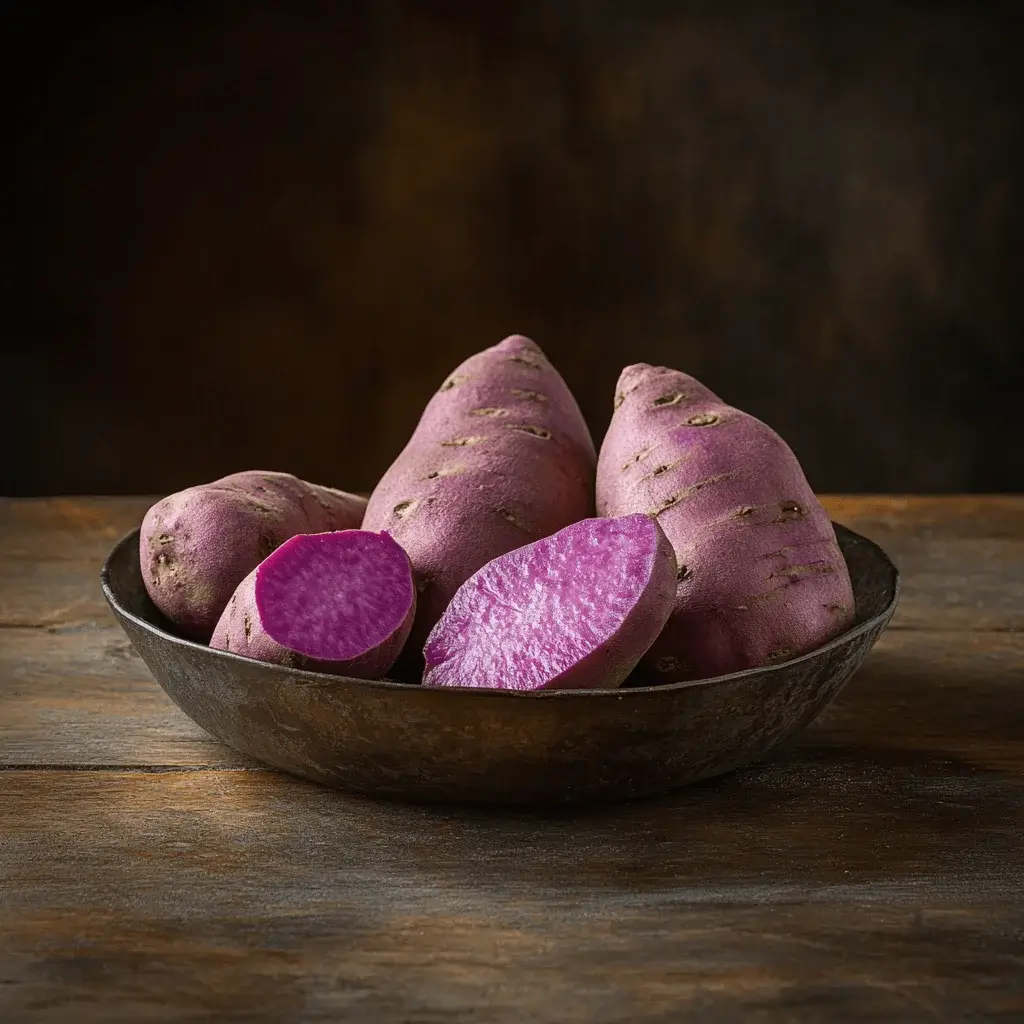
400	740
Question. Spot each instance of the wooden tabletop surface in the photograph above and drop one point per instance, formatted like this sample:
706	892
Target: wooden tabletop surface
874	870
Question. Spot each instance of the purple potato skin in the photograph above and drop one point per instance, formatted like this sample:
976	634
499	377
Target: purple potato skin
241	630
761	576
501	457
479	643
196	546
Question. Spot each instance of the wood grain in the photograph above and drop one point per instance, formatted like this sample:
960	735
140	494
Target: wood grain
962	559
50	556
211	896
81	695
873	870
84	697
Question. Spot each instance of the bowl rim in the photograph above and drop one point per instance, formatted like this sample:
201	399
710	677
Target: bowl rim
325	679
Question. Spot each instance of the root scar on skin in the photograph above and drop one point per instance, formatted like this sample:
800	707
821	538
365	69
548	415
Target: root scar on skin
462	442
702	419
672	398
540	432
622	395
639	457
445	471
686	492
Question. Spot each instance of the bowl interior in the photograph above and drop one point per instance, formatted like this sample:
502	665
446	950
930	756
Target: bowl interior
874	578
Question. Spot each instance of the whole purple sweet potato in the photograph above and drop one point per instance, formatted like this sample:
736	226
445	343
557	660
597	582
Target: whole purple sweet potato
761	577
500	458
196	546
576	610
339	602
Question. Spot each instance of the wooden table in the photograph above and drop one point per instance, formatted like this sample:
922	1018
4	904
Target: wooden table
873	871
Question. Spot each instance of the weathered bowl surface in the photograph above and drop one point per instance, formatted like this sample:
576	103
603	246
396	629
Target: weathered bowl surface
398	740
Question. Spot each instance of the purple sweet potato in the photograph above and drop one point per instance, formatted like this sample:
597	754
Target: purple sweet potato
576	610
339	602
500	458
761	577
196	546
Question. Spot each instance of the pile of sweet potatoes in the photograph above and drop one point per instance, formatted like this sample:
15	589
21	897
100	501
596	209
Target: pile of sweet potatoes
501	551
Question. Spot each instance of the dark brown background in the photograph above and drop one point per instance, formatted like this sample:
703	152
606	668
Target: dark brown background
248	236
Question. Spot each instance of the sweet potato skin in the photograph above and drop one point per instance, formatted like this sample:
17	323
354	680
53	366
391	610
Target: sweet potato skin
196	546
241	630
761	578
501	457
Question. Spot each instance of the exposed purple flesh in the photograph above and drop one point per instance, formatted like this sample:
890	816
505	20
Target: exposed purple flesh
334	596
577	609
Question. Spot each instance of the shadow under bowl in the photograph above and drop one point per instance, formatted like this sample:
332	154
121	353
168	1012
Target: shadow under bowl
405	741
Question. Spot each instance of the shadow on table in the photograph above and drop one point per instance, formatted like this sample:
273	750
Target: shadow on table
913	775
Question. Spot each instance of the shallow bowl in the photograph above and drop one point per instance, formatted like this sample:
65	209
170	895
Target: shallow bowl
400	740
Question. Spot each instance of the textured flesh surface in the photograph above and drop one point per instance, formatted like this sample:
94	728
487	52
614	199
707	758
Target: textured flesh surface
761	577
198	545
575	610
337	602
500	458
